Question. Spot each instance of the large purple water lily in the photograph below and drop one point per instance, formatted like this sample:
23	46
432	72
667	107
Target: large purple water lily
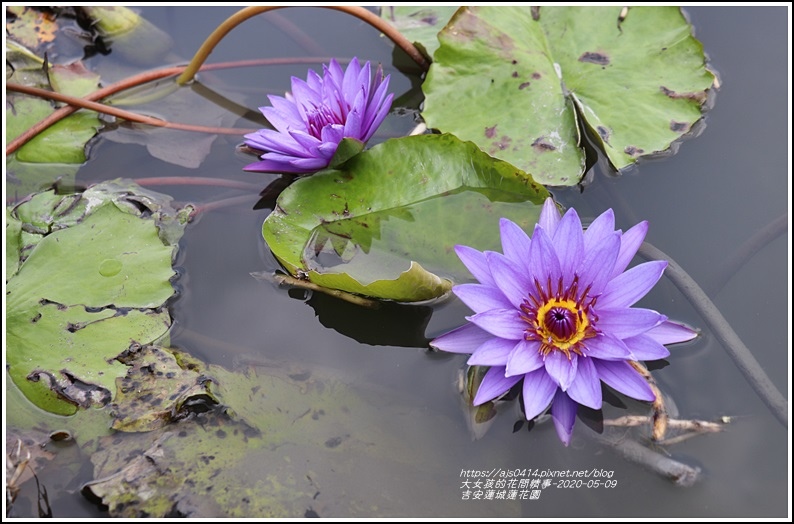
310	121
556	311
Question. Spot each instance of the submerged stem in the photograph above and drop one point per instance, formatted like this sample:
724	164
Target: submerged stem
736	349
244	14
745	252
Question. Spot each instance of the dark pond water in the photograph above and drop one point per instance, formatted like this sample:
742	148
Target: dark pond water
715	194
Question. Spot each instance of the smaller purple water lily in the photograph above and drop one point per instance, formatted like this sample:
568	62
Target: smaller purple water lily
556	311
310	121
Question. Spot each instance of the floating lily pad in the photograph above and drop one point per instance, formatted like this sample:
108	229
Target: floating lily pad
64	142
30	27
521	82
419	24
92	276
385	223
135	38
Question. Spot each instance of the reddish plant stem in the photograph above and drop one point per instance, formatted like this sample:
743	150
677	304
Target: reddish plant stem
140	79
218	204
244	14
121	113
190	181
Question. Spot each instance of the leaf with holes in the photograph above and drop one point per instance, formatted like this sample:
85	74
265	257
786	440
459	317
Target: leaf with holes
385	223
92	276
522	82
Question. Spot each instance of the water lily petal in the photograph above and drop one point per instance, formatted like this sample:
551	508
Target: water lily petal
586	386
608	347
628	322
287	109
269	140
475	262
512	282
620	376
599	229
269	166
493	352
568	242
644	347
465	339
563	413
283	121
523	358
354	121
515	242
335	73
538	392
669	332
481	298
543	263
596	267
309	142
561	369
504	323
494	384
627	288
377	120
630	242
549	217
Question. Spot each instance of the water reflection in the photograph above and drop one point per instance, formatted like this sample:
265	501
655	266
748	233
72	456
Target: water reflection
702	203
391	324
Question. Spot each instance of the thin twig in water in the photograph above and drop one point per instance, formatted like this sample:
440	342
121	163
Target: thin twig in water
660	417
736	349
681	474
695	426
305	284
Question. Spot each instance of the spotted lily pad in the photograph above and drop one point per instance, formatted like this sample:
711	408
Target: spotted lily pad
522	82
420	24
385	223
92	276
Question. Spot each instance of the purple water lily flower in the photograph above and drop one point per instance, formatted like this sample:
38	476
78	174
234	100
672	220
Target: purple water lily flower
555	310
310	121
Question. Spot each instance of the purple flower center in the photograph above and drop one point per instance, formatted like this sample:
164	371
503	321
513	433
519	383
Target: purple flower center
561	320
320	116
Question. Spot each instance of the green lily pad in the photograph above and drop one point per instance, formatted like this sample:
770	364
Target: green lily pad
92	276
133	36
65	141
419	24
521	82
384	223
